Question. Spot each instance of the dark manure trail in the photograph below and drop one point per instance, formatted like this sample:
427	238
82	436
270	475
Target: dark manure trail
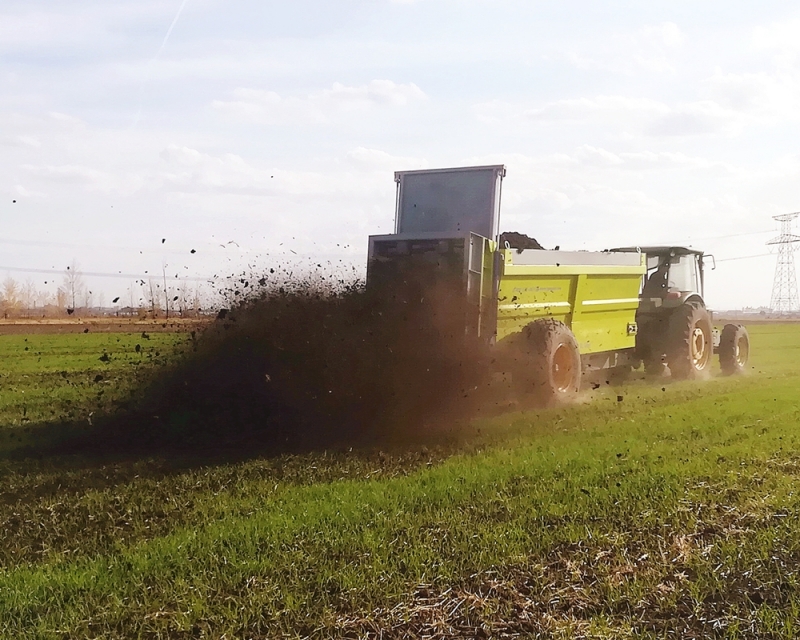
302	369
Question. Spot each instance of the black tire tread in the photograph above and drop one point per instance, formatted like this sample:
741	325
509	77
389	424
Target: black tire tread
679	335
731	333
538	341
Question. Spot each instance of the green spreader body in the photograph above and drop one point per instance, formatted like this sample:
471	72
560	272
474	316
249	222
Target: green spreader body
445	251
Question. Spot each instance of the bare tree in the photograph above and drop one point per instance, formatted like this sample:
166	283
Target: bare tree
154	297
73	284
45	298
87	299
183	298
197	298
11	300
11	291
28	295
62	298
132	307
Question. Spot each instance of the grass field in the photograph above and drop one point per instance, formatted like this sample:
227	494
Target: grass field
66	377
654	510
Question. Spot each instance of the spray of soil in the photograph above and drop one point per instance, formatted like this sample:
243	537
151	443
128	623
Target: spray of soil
309	365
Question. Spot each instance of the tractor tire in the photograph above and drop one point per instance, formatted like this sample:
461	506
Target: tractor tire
550	366
689	342
734	349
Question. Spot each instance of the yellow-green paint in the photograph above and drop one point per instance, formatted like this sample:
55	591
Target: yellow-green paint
598	302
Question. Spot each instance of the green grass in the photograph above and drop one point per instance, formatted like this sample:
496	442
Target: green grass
54	378
673	512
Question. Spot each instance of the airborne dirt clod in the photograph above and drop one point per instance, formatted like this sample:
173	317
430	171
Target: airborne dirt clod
307	367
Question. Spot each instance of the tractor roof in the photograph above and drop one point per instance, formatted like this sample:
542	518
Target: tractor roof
664	250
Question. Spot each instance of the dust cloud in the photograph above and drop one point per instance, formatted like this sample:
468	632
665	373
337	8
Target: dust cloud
309	364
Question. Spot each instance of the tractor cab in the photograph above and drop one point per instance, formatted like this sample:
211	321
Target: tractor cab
674	276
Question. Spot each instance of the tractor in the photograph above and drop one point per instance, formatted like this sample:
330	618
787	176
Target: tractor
675	329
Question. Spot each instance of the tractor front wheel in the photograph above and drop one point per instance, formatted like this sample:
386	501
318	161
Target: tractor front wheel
734	349
689	342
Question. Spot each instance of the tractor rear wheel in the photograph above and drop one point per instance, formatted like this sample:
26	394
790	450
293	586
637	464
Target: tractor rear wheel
734	349
551	365
689	342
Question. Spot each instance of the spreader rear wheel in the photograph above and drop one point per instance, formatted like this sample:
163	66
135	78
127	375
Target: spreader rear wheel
550	367
734	349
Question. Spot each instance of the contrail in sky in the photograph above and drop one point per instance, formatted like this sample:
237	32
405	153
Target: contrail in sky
171	27
150	64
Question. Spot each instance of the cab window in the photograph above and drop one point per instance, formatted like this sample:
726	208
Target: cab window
683	274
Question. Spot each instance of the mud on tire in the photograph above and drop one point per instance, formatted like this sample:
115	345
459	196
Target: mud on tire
689	342
734	349
547	362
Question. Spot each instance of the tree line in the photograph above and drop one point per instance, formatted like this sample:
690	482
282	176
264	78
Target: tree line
74	297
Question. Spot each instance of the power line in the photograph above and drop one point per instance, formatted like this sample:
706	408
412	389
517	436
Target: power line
735	235
688	240
757	255
100	274
107	247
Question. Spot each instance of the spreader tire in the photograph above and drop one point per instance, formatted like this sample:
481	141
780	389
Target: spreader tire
550	367
734	349
689	342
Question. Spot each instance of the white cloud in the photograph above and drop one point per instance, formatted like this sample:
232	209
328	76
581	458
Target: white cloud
71	174
188	170
598	107
644	160
66	120
24	129
763	97
21	141
26	193
593	155
375	159
743	92
667	33
784	35
652	49
269	107
666	160
621	114
76	25
696	118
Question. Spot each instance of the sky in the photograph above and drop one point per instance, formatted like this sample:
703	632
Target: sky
258	133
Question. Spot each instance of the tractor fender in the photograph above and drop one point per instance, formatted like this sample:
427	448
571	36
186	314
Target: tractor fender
693	297
686	297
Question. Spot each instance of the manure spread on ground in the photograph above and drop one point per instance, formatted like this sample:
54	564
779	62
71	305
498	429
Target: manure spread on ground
308	365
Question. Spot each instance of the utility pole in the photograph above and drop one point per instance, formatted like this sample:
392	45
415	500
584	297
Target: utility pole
166	293
784	287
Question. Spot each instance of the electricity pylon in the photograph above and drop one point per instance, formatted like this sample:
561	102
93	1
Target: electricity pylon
784	288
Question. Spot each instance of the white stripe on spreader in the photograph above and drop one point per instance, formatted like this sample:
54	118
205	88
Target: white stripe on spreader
546	305
612	301
533	305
